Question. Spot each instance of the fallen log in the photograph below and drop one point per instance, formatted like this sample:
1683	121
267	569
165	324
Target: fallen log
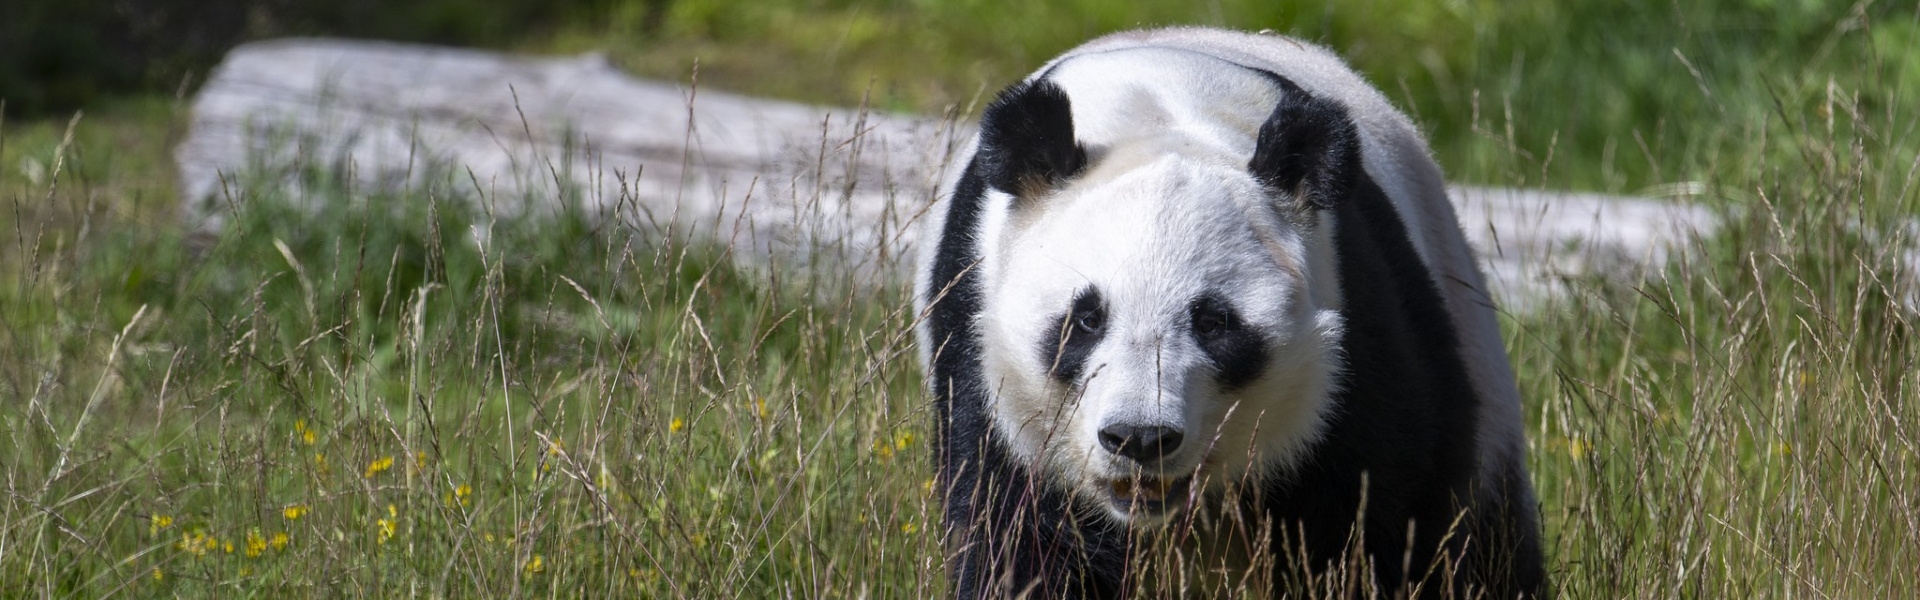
776	180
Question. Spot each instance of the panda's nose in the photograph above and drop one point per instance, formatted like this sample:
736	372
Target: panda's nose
1143	444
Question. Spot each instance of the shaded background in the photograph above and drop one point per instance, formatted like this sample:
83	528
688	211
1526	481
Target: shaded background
58	55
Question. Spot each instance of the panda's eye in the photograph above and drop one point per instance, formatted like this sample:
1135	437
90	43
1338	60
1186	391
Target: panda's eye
1211	319
1089	316
1090	321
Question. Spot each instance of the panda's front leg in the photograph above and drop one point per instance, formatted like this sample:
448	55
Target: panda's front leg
1011	534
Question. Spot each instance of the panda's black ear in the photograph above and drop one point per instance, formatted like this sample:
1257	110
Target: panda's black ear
1026	140
1308	149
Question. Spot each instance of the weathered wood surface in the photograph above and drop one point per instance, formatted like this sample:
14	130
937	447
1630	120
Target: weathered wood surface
776	179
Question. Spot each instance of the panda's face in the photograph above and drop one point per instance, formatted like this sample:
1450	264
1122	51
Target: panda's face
1157	330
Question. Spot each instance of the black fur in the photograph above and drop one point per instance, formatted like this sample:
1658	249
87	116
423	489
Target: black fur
1026	140
1404	420
1066	348
1238	353
1306	147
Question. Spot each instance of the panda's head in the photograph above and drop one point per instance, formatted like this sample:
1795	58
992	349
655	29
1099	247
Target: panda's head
1160	315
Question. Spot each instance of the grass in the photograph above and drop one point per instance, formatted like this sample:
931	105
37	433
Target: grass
1742	428
352	394
347	396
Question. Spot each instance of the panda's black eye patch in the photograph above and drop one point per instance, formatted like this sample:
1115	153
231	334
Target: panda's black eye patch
1074	334
1238	352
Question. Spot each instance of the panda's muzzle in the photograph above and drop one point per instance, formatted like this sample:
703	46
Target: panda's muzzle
1146	446
1152	489
1149	496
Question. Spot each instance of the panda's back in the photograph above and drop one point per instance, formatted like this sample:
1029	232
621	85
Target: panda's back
1130	92
1230	73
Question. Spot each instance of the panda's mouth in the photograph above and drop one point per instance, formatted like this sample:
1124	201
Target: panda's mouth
1148	496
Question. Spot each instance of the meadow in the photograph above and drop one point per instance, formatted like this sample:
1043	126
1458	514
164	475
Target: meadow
379	394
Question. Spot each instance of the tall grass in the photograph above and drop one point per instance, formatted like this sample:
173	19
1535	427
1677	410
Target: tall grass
1744	426
375	394
353	394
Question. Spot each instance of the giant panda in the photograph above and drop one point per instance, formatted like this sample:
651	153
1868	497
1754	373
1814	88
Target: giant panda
1192	276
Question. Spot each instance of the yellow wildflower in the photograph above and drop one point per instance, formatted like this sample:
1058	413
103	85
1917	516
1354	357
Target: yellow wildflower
279	541
320	463
385	529
157	576
157	523
537	565
900	443
553	452
760	406
460	496
676	425
420	460
306	435
1578	448
197	543
908	527
256	543
294	512
379	466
